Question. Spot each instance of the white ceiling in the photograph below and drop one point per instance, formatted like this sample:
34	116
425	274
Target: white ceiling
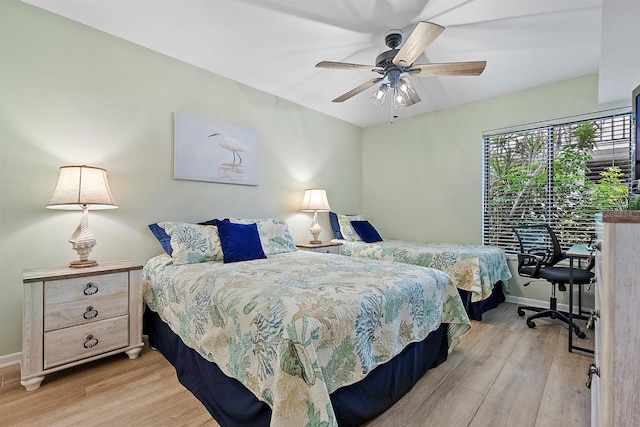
273	45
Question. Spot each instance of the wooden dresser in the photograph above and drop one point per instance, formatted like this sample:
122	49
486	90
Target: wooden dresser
76	315
615	390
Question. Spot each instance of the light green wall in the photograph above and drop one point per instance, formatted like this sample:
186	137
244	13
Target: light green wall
422	177
73	95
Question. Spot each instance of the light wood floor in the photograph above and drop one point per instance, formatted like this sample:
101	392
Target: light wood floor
503	373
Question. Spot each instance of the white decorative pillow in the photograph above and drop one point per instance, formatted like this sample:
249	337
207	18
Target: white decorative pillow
274	234
346	229
193	243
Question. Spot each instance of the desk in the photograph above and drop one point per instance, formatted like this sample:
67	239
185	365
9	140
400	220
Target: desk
582	252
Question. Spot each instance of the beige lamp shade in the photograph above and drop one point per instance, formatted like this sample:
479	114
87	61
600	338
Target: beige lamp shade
315	200
80	186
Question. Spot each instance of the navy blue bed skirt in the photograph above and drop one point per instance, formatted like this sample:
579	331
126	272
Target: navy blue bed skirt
475	310
231	404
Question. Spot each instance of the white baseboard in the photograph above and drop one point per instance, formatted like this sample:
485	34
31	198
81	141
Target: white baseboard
538	303
10	360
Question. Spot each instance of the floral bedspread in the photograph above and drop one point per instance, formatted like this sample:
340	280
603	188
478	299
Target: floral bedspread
473	268
297	326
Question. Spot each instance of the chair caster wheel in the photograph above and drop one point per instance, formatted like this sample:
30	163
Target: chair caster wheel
531	324
581	335
520	312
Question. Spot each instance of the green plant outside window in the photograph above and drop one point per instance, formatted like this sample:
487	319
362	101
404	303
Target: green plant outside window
560	174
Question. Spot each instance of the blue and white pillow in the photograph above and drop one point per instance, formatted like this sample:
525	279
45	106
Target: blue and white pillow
274	234
346	229
164	238
193	243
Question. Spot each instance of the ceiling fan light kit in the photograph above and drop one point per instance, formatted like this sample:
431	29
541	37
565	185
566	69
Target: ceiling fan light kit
395	65
377	98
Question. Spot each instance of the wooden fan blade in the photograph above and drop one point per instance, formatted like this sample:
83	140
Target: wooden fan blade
472	68
422	36
348	66
357	90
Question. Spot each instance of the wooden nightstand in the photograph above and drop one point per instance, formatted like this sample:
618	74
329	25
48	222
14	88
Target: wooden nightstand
324	247
75	315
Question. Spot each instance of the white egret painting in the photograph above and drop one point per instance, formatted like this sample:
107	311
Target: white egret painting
214	152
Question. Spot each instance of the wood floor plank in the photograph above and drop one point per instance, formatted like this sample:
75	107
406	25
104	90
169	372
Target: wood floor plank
485	360
400	413
513	399
537	349
449	405
16	400
567	379
502	373
138	409
95	410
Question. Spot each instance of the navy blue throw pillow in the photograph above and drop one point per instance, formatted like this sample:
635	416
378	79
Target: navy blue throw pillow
366	231
240	242
162	237
335	225
214	221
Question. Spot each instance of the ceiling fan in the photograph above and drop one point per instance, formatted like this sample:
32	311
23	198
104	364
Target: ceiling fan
395	64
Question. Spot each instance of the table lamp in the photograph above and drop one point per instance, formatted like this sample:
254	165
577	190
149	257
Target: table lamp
82	188
315	200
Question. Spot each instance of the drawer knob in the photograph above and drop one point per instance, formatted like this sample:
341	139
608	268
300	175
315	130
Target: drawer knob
91	341
90	289
90	313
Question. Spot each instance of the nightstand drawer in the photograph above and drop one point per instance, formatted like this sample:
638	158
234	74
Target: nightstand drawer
328	250
81	300
322	248
79	342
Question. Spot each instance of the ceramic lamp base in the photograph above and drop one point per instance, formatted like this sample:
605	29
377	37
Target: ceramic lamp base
315	230
83	263
83	241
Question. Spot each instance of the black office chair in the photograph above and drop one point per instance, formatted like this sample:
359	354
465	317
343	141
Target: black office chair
539	254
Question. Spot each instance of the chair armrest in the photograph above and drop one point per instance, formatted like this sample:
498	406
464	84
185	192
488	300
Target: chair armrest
528	260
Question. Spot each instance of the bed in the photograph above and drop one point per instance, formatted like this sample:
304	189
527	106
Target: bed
480	272
297	337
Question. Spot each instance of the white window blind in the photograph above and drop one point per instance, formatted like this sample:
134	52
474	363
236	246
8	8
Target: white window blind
560	174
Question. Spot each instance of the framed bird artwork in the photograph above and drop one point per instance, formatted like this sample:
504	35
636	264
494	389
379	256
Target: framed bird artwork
214	152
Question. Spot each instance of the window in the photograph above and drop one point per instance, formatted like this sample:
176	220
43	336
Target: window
560	174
